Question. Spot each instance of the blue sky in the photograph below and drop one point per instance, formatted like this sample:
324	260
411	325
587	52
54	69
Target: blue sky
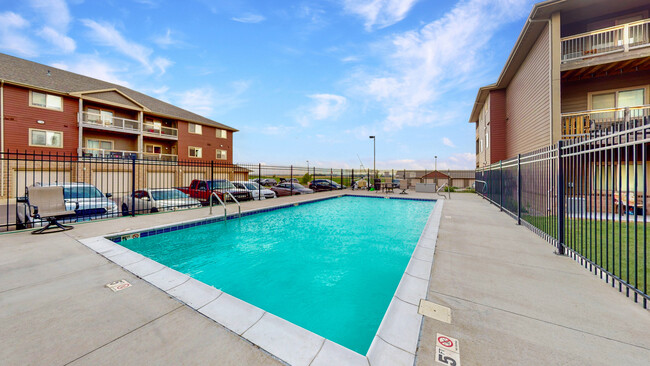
301	80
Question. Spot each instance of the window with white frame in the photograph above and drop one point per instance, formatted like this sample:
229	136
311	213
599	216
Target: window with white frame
195	152
95	144
45	138
194	128
222	154
153	149
153	125
222	134
631	97
48	101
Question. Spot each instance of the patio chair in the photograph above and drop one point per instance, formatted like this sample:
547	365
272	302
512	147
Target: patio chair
403	185
629	205
47	203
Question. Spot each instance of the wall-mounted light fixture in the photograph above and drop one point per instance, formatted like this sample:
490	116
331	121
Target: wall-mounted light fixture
40	122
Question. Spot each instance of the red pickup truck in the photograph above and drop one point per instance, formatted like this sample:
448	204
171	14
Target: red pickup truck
201	190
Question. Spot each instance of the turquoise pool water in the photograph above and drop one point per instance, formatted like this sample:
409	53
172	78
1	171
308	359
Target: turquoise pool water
331	266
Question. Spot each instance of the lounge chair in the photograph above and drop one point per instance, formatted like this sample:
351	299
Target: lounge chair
47	203
403	185
623	204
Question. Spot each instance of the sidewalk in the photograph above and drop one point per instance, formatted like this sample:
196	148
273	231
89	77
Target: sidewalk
513	302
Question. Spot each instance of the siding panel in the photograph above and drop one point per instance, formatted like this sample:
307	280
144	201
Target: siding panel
527	102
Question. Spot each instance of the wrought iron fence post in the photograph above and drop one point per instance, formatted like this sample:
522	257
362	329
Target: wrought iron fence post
259	181
291	180
560	200
132	185
501	185
518	189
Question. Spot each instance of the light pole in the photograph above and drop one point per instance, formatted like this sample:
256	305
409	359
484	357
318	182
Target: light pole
435	166
374	166
307	166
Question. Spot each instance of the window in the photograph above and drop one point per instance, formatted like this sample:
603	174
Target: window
222	154
618	99
223	134
47	101
99	144
195	152
99	116
194	128
45	138
153	125
153	149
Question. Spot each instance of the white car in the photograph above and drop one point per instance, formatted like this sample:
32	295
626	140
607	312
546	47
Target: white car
158	199
85	199
255	190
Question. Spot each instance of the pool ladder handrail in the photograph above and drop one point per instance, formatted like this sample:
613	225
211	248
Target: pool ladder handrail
225	213
441	187
237	202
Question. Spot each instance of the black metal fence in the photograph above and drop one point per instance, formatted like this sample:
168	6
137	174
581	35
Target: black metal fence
586	196
105	187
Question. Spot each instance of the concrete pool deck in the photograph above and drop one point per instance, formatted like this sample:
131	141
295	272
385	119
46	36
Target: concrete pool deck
55	310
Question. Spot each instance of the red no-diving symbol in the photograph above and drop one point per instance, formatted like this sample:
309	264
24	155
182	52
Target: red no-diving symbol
445	342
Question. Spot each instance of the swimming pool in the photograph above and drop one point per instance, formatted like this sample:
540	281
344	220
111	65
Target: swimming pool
331	267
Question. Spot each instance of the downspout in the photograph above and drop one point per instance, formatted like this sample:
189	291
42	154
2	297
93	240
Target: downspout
550	74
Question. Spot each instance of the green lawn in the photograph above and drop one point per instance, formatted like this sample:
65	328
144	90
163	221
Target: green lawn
612	245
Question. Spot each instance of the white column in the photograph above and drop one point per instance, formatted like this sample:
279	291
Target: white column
81	128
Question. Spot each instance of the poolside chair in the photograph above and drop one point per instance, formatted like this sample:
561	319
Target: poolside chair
627	205
47	203
403	185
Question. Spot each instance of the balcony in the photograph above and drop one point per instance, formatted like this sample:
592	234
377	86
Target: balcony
109	123
152	130
580	124
108	154
620	38
160	157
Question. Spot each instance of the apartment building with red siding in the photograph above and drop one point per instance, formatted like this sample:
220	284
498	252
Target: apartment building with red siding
48	110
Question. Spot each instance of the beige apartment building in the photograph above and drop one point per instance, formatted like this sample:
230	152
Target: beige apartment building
577	66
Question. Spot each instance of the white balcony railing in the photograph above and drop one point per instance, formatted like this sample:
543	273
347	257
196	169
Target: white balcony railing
620	38
582	123
153	130
113	154
116	123
161	157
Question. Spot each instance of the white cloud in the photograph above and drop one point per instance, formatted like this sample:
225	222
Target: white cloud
447	142
56	19
350	59
106	35
167	40
249	18
206	100
95	67
379	13
12	35
419	66
323	106
63	42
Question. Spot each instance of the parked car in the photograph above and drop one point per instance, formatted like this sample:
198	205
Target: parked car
202	190
156	200
319	185
225	185
395	183
265	181
85	199
291	180
255	189
288	189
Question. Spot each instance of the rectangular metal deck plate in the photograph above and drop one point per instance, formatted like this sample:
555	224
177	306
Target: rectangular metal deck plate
434	311
118	285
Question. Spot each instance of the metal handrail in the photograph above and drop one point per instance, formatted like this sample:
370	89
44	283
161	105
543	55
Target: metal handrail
441	187
225	213
237	202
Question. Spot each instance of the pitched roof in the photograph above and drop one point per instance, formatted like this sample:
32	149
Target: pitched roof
18	71
436	174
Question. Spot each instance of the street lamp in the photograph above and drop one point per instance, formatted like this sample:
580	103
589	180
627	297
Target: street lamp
435	166
307	166
374	166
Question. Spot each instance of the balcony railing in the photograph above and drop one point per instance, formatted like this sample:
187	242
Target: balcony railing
112	154
161	157
620	38
153	130
582	123
115	123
